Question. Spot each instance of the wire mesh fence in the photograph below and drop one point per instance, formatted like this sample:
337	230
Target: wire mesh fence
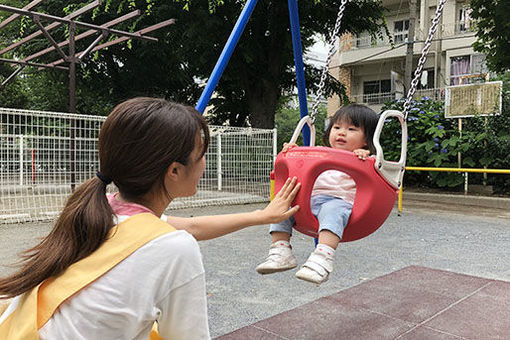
45	155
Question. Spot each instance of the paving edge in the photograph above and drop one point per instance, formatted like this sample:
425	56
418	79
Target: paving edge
480	201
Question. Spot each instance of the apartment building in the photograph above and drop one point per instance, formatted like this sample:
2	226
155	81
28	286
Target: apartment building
373	70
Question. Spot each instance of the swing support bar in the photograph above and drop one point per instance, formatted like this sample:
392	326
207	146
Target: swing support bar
300	68
225	55
232	41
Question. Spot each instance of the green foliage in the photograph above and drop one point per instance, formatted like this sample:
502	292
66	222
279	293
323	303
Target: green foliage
258	74
435	141
287	118
14	94
493	32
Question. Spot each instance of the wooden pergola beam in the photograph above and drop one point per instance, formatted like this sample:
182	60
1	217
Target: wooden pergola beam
51	26
48	36
85	34
77	23
15	16
119	40
19	62
13	74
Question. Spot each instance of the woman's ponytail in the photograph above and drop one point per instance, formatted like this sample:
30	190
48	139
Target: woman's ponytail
81	228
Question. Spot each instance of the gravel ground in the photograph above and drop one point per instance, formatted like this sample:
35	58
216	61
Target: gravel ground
463	239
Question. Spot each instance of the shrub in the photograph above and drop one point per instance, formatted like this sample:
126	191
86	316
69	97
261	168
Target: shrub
435	141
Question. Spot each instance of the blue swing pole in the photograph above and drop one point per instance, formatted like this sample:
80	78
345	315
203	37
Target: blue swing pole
300	72
300	68
225	55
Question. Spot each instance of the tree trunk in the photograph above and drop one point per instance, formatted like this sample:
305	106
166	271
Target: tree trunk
263	90
262	98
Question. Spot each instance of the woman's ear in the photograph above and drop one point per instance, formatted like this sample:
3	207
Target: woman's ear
175	171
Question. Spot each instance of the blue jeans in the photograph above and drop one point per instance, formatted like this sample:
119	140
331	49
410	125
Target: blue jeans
332	212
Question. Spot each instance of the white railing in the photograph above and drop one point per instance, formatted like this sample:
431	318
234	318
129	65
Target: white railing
36	173
383	97
446	30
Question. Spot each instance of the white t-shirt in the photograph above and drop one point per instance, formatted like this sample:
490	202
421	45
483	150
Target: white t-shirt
163	280
335	183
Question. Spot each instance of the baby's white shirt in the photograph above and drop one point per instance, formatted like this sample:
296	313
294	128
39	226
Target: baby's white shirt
335	183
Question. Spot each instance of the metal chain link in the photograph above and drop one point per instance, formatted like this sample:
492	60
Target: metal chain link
423	58
331	52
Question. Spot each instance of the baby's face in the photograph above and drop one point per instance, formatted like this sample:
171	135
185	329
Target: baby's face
346	136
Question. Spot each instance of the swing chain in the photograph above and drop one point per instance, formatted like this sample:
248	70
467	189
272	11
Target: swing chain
331	52
423	58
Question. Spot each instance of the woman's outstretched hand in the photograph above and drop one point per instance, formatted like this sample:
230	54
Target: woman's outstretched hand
278	209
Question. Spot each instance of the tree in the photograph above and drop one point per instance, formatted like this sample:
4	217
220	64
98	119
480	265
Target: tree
14	94
493	35
259	72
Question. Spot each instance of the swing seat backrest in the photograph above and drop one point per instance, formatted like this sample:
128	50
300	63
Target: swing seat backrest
374	200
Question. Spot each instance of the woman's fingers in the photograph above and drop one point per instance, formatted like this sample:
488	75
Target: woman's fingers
291	212
290	187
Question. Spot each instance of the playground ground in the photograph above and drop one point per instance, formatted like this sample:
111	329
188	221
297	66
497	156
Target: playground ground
446	253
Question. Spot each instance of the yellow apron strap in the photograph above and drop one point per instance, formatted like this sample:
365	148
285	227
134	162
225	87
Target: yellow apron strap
154	335
37	306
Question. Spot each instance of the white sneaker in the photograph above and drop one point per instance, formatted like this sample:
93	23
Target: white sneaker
318	266
280	258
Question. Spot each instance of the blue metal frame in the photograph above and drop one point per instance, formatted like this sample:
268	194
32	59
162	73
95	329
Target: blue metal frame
229	49
300	68
225	55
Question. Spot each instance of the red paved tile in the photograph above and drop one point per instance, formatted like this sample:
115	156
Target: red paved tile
251	332
344	322
425	333
398	301
412	303
483	315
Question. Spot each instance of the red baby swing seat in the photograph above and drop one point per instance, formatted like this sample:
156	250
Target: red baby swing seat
377	180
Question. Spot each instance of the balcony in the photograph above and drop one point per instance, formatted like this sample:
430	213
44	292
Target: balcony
447	30
383	97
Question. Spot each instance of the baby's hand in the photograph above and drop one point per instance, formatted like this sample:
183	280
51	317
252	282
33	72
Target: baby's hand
362	153
288	146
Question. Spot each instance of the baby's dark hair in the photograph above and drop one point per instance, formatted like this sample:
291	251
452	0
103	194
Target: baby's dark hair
361	116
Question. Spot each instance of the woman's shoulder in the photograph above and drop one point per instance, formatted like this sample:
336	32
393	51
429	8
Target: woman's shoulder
179	241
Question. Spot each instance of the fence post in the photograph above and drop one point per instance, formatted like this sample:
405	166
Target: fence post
465	183
33	165
20	159
218	160
275	142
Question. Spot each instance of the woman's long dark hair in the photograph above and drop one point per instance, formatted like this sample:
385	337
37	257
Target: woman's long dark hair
137	143
361	116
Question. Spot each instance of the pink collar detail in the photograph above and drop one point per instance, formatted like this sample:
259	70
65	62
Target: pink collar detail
126	208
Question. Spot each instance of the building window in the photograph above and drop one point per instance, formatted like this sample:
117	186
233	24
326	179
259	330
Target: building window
464	19
400	31
426	80
369	40
376	91
465	66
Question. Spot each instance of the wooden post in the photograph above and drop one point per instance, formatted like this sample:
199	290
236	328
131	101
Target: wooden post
72	102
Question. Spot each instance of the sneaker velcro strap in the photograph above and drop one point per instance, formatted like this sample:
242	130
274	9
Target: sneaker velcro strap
316	268
319	263
276	251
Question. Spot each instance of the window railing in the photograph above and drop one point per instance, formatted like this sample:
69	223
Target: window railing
399	37
366	41
383	97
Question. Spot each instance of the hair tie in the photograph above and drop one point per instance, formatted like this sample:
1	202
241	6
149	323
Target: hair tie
103	178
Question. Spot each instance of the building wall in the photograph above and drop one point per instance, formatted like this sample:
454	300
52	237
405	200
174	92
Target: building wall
376	60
